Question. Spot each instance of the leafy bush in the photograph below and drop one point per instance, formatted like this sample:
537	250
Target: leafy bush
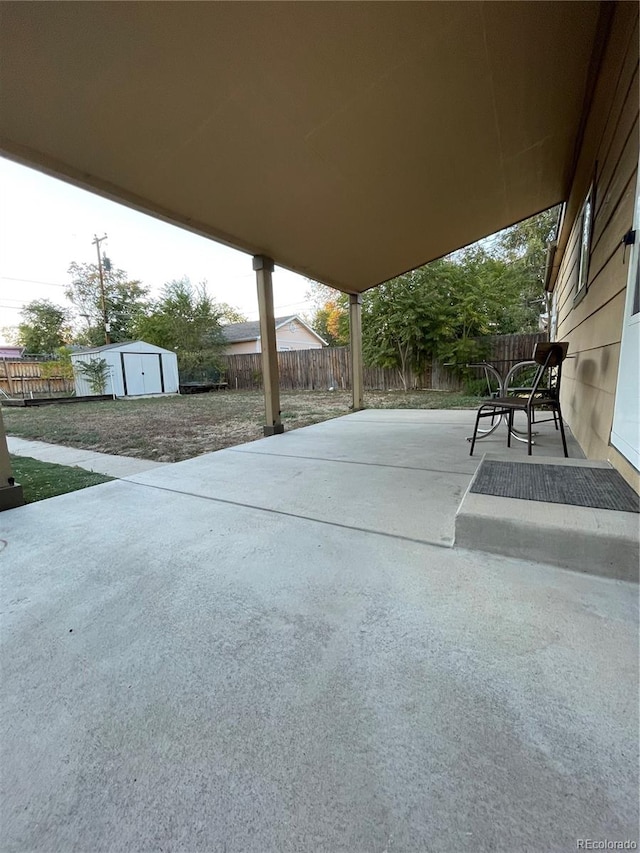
476	388
96	372
202	366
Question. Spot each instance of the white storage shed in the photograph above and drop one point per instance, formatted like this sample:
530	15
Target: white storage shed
135	368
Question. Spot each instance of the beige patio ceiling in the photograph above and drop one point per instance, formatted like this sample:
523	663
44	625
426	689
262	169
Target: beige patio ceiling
348	141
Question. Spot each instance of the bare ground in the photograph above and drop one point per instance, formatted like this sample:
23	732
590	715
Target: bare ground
170	429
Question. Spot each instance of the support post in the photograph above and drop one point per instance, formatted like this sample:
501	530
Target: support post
270	378
355	339
11	494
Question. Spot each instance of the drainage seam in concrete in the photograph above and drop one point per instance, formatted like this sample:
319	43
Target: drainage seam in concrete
447	546
353	462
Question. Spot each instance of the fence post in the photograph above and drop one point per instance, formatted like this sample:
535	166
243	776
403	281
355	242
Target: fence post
7	371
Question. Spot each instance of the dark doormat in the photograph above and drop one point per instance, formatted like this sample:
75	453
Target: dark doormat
602	488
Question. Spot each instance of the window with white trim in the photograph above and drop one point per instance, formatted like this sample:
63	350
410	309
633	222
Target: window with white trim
586	230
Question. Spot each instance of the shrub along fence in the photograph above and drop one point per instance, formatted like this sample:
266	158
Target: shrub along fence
330	367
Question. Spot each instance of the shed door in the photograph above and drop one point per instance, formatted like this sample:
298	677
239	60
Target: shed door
625	433
142	372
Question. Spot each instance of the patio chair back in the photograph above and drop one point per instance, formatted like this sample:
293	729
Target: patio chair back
548	356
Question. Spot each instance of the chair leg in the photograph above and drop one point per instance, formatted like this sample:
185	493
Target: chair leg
509	427
564	440
529	412
475	432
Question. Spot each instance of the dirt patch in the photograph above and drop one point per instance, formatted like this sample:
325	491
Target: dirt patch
170	429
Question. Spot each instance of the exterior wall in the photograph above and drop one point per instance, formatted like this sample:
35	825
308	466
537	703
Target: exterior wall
243	348
170	372
592	321
291	336
294	335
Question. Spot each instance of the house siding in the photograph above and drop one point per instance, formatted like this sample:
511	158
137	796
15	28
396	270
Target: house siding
242	348
593	324
296	338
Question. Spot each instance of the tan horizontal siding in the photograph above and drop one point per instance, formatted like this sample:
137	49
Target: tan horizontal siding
567	276
602	290
590	415
626	167
593	323
602	327
610	243
568	293
611	95
613	176
595	368
614	102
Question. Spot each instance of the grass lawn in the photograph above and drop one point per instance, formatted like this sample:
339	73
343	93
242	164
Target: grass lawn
169	429
40	480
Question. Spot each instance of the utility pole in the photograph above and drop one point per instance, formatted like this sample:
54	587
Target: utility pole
96	242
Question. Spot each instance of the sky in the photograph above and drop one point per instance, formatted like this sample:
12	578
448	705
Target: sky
45	224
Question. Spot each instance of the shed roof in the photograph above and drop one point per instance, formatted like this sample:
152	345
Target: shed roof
116	346
348	141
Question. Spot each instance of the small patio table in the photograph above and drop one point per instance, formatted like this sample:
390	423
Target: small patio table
504	384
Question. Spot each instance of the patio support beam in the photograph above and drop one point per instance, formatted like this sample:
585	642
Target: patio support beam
10	493
270	378
355	339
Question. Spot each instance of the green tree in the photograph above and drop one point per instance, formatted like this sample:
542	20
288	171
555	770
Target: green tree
44	327
229	314
406	320
125	302
524	248
184	319
444	309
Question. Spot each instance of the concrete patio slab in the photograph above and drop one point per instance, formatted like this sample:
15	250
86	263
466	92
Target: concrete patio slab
187	673
402	473
75	457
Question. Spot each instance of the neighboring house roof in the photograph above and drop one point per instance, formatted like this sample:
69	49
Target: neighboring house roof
235	333
11	352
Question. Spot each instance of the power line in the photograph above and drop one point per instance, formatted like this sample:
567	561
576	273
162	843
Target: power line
32	281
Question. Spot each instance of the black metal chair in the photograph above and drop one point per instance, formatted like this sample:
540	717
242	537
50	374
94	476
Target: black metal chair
541	395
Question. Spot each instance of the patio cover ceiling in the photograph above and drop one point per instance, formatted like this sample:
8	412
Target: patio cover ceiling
349	141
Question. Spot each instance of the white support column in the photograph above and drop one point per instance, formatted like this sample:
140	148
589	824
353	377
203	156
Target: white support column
270	378
355	338
10	493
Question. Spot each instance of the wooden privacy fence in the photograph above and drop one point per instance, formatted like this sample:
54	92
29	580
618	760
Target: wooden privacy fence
311	369
512	348
300	370
24	378
330	367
